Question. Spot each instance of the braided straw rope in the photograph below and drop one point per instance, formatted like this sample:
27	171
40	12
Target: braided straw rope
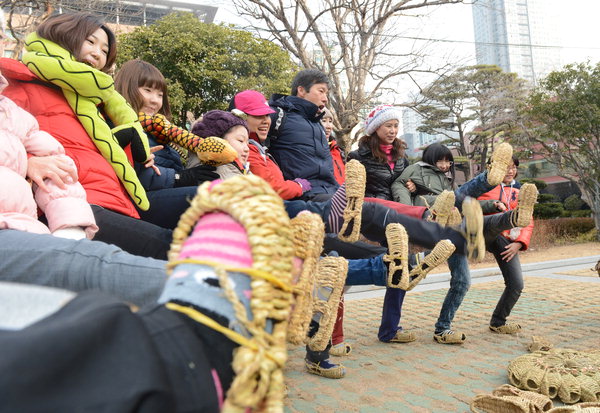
441	210
527	199
257	364
356	177
440	253
331	277
569	374
308	233
397	240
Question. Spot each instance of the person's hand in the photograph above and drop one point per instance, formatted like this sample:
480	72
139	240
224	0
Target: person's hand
55	168
150	162
410	185
196	175
304	184
500	206
511	250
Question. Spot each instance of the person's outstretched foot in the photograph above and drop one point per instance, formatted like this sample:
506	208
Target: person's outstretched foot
347	202
527	198
233	274
472	229
329	286
308	233
397	257
441	210
499	163
439	254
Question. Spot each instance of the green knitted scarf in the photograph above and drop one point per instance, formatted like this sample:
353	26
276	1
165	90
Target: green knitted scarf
85	88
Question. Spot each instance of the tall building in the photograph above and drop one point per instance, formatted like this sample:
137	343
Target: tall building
520	36
415	139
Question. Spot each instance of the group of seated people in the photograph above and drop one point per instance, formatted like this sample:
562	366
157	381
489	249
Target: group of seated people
213	247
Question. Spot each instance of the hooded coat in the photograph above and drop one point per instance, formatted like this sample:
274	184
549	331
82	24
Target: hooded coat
298	144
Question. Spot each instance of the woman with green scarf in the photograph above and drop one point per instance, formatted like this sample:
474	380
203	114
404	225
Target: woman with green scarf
62	80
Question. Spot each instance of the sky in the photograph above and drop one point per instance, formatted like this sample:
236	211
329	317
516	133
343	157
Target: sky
452	25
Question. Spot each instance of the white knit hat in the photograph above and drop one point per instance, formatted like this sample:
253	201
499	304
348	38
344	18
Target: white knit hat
379	115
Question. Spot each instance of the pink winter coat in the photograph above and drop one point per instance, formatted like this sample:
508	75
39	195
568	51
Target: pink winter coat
64	208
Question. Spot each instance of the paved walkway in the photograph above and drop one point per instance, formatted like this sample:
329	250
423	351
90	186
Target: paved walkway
561	302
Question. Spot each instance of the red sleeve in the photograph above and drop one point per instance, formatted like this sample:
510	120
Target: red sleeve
268	170
525	236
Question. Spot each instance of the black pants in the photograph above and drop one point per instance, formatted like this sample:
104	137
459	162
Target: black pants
135	236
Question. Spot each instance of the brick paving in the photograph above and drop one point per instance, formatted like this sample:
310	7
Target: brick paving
425	376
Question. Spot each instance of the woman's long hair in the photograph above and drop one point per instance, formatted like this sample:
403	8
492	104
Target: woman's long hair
372	142
138	73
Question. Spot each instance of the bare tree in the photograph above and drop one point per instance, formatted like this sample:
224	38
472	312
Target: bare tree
353	41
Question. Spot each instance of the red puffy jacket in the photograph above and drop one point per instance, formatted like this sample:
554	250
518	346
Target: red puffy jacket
339	167
509	196
261	164
54	115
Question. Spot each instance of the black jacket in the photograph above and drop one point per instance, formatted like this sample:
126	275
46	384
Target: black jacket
379	175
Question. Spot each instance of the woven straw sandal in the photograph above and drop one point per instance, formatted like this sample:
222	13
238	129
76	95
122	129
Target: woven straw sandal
308	232
450	337
258	361
487	403
356	177
473	229
586	407
340	350
439	254
397	257
455	218
524	211
441	209
508	328
540	402
568	374
499	162
330	281
402	336
336	372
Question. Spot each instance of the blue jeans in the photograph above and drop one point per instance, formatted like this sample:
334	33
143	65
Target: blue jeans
374	271
79	265
473	188
167	205
460	281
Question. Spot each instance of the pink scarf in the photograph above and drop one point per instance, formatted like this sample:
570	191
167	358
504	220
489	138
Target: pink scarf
387	149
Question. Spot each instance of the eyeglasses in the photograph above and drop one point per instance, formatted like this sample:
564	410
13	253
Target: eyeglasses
513	168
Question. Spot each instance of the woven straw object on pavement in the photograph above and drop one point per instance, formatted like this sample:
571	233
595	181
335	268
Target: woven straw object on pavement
571	375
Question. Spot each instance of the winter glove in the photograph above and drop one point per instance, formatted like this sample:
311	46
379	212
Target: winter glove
304	184
195	176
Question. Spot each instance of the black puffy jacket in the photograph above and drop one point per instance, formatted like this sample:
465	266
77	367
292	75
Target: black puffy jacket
379	175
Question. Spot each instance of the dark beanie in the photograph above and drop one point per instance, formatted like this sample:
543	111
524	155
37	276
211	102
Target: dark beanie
216	123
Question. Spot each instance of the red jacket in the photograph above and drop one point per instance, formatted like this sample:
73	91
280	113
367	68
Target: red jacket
55	116
509	196
261	164
339	167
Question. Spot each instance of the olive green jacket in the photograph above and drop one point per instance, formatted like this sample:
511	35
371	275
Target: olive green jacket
429	180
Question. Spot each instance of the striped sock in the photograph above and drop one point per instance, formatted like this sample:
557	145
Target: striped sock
336	215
